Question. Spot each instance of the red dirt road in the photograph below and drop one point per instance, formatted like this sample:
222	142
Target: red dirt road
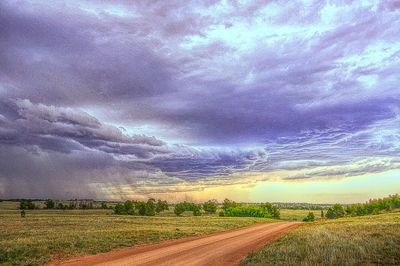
226	248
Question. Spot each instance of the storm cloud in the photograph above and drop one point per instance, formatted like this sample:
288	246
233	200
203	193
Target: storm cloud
98	95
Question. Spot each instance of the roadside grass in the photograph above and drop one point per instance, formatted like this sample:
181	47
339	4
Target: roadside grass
365	240
46	234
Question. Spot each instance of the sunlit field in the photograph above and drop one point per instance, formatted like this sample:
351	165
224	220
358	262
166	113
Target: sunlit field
366	240
59	234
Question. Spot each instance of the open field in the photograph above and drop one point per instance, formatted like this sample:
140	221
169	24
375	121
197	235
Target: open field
365	240
42	234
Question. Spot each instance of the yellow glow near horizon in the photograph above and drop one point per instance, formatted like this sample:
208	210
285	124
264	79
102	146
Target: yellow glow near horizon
346	190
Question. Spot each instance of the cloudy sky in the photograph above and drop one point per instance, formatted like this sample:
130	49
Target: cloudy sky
251	100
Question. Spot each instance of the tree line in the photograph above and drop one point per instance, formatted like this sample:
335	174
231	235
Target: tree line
148	208
234	209
28	204
373	206
229	208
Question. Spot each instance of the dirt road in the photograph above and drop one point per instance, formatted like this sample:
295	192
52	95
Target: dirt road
226	248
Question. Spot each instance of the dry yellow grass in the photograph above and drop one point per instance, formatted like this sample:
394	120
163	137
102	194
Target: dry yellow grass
367	240
33	240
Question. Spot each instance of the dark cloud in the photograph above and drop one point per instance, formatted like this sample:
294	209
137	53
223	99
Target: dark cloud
60	148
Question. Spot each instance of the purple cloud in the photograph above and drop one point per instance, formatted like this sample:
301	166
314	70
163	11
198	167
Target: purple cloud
130	93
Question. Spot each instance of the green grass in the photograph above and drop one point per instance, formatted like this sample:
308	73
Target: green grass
366	240
42	234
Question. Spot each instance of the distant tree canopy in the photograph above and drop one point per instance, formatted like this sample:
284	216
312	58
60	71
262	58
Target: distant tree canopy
62	206
233	209
374	206
49	204
273	210
210	206
161	205
26	205
187	206
229	204
149	208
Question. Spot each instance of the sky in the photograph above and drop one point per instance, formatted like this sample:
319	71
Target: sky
194	100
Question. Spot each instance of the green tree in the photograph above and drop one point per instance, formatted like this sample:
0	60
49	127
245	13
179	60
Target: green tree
141	207
26	205
180	208
61	206
187	206
272	210
210	206
275	212
162	205
322	214
150	207
129	207
228	204
119	209
196	209
49	204
330	214
309	218
338	210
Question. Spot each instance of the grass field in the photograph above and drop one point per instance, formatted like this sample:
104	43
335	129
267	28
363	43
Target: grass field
33	240
366	240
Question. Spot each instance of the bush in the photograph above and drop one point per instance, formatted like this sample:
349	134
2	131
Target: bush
210	206
309	218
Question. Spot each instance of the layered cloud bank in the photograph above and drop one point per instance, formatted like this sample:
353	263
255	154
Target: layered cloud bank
120	99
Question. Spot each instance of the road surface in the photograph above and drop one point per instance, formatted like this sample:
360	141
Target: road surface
226	248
